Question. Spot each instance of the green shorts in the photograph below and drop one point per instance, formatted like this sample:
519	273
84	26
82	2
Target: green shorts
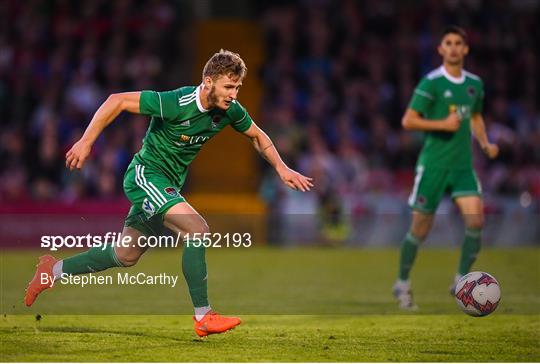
430	185
151	195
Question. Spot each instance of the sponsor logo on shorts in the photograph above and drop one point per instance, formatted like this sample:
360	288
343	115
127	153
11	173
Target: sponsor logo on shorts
171	191
148	207
421	200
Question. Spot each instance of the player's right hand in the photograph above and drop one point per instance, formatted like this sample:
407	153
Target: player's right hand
491	150
452	122
78	154
295	180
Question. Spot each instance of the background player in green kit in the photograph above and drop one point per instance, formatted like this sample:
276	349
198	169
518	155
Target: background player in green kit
182	120
447	105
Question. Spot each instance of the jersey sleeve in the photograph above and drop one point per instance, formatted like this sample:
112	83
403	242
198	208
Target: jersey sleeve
423	96
478	106
163	105
240	119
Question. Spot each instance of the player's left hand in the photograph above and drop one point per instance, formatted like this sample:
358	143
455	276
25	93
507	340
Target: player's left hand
491	150
78	154
295	180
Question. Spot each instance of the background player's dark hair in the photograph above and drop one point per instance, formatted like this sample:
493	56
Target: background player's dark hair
225	63
454	29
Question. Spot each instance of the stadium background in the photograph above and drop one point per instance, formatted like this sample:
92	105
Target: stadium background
328	80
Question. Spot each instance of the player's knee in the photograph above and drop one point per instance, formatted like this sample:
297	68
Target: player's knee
202	228
476	225
199	228
129	262
420	232
127	259
416	240
420	237
421	226
475	222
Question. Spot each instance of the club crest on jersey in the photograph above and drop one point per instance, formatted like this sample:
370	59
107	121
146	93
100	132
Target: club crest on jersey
215	121
471	91
148	207
171	191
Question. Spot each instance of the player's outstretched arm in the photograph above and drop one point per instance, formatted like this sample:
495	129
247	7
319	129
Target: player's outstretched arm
107	112
265	147
412	120
478	128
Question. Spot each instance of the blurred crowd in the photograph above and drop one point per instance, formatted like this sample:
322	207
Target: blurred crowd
59	60
338	76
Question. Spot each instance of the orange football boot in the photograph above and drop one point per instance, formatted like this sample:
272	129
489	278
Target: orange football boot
214	323
35	287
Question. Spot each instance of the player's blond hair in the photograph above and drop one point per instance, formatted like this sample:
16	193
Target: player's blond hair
225	63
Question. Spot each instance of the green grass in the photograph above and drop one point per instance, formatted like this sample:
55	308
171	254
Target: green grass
296	305
273	338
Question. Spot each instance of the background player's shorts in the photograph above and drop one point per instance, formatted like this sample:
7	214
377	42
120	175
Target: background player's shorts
430	185
151	195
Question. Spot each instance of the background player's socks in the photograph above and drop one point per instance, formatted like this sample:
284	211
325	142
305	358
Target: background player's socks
92	260
194	269
469	250
409	248
201	311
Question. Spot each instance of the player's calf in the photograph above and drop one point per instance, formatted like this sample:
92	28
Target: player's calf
402	288
469	250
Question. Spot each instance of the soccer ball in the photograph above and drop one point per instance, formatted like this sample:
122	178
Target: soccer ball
478	294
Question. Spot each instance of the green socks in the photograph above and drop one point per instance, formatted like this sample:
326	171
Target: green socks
92	260
409	248
194	269
469	250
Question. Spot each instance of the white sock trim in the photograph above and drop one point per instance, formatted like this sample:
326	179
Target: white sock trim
403	284
201	311
57	269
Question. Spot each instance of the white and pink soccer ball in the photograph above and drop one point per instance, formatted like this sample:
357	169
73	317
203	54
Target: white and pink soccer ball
478	293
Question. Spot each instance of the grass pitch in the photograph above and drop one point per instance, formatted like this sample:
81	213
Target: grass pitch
296	305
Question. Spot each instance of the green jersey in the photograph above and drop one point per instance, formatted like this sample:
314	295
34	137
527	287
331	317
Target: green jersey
435	97
180	126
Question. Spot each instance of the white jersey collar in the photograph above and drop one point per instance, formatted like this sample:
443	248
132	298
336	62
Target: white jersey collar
198	99
451	78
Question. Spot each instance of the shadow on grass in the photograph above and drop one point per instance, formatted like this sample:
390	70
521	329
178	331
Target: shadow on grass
88	330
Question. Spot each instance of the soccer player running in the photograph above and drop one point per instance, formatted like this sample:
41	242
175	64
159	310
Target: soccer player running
447	106
182	120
